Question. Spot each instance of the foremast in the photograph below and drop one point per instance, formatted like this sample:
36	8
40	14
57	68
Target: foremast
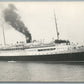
1	23
56	26
4	36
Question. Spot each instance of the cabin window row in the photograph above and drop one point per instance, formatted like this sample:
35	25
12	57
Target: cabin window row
46	49
51	49
12	49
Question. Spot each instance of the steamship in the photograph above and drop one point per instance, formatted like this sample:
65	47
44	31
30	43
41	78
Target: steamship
58	50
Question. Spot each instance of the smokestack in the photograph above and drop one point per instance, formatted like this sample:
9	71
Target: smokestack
12	18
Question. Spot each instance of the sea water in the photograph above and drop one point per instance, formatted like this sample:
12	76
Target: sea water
41	71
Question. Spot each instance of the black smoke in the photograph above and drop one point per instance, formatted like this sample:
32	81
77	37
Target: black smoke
12	18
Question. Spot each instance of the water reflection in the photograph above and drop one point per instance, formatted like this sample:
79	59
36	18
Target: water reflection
42	71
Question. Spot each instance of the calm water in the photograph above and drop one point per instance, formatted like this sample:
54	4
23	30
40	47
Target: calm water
41	71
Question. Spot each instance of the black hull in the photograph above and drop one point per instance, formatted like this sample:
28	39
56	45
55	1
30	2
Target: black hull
56	57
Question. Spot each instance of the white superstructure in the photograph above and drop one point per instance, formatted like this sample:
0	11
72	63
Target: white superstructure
43	49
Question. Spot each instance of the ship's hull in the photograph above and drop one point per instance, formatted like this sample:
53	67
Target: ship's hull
78	56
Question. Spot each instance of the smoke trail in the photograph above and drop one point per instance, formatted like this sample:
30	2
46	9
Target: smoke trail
13	19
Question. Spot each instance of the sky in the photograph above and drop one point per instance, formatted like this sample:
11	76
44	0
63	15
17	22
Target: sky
38	17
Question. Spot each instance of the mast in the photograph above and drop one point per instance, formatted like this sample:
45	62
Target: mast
3	35
56	26
2	26
2	22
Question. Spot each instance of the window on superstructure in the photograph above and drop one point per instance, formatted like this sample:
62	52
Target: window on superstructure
46	49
